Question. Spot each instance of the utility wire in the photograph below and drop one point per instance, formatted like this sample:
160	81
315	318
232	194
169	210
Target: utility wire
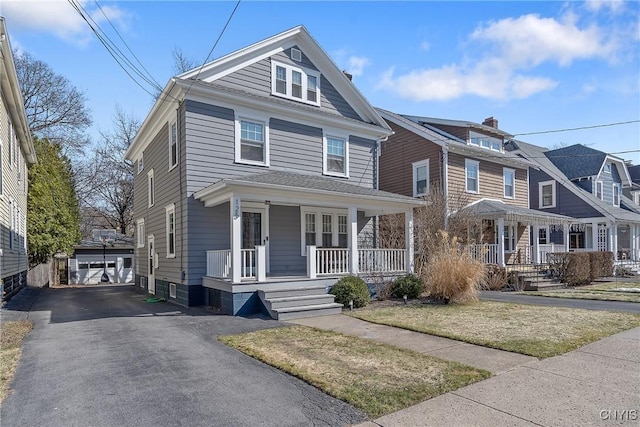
578	128
213	47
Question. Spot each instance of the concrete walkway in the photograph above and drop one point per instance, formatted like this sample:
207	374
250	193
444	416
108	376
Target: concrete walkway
495	361
598	384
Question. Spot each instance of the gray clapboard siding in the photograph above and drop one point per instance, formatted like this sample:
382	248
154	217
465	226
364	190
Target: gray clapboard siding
284	240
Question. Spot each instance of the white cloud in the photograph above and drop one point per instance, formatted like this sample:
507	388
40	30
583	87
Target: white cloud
615	6
357	65
502	55
59	17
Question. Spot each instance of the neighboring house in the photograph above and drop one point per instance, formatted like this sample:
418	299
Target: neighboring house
467	161
16	153
257	172
587	185
633	192
94	257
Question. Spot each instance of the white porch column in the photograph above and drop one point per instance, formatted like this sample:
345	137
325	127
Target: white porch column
594	235
353	240
500	225
261	263
312	264
634	242
236	239
614	240
566	237
408	235
536	244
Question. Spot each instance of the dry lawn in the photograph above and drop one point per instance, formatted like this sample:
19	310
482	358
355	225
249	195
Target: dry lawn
376	378
11	336
527	329
604	291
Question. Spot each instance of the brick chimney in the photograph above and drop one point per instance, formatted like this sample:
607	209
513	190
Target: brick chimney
349	76
490	121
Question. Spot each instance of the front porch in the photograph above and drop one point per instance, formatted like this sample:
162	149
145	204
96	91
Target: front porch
294	231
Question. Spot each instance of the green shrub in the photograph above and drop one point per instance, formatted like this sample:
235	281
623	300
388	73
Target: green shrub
452	274
601	264
408	285
351	288
495	278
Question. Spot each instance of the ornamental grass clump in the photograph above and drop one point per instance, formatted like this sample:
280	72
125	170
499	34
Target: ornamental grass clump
451	273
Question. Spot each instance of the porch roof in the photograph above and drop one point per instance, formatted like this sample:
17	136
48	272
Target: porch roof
496	209
301	189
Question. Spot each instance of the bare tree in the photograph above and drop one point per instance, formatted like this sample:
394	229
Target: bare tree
107	197
182	63
55	109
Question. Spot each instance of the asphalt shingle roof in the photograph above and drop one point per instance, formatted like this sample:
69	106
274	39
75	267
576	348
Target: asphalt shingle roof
497	209
312	182
577	161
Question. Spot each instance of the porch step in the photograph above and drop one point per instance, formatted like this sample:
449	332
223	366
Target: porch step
298	302
293	291
289	313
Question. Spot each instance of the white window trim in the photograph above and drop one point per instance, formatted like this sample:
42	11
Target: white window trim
335	213
466	184
12	222
616	189
140	233
171	209
173	122
511	236
256	117
305	72
547	233
595	188
415	167
172	290
339	135
151	190
553	194
141	163
505	171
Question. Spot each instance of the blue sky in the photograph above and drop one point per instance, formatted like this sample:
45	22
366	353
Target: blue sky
535	66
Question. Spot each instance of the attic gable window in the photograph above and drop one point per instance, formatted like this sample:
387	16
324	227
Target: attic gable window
484	141
299	84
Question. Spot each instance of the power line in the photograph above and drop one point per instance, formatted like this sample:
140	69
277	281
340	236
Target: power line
578	128
213	47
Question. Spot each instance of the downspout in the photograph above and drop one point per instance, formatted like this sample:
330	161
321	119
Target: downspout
445	183
180	125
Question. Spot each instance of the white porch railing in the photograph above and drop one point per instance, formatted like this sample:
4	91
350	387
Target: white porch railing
382	260
549	248
332	261
248	266
484	252
219	264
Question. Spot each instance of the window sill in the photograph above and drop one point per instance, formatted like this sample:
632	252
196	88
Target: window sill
472	192
547	207
293	98
250	163
336	174
173	167
171	256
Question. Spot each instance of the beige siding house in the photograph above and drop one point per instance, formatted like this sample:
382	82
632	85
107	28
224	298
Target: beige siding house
16	152
467	161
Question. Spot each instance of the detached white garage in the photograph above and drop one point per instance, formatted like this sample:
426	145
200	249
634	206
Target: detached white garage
92	259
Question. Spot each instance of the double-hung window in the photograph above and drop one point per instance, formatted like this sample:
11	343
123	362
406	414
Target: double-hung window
472	173
151	188
616	194
600	190
327	230
173	144
310	229
420	178
140	232
170	212
509	238
547	194
252	141
335	156
299	84
509	180
543	236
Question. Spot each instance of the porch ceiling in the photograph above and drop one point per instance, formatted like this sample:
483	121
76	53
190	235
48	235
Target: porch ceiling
278	187
496	209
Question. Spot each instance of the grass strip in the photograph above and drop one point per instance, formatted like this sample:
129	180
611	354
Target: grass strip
375	378
11	336
604	295
528	329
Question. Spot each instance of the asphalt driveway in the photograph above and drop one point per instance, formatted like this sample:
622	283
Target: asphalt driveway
101	356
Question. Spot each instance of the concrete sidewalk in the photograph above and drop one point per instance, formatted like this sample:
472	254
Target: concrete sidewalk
598	384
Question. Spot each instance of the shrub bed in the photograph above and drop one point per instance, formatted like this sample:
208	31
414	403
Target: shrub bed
408	285
351	288
601	264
